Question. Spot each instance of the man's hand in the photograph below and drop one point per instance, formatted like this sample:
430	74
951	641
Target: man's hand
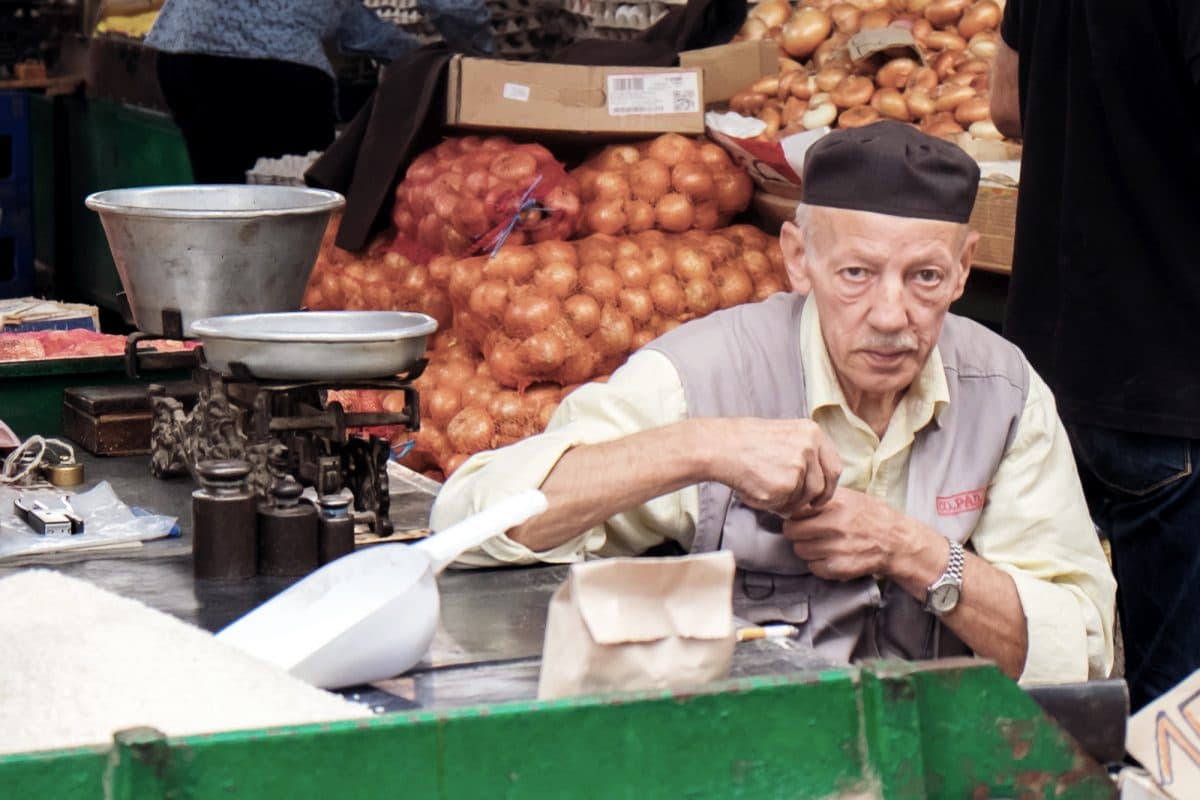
856	535
785	466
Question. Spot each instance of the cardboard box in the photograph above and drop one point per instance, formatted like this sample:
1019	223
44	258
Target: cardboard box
730	68
488	94
21	314
995	217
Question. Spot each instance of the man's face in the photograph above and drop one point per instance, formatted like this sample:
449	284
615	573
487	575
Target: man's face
882	285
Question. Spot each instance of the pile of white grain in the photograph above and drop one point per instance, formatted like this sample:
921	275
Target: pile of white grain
78	663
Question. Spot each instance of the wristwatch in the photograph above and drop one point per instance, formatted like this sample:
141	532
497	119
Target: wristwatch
943	594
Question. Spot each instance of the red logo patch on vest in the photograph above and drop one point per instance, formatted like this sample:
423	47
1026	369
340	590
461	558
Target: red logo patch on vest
962	502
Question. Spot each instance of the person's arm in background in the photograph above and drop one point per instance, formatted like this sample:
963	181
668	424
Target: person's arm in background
1187	18
1006	104
1005	80
466	25
361	32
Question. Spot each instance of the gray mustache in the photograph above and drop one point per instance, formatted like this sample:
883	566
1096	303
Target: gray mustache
892	343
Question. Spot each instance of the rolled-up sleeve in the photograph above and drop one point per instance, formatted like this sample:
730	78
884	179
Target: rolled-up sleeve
645	393
1036	528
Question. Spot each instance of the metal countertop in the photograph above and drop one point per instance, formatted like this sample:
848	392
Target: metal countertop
489	640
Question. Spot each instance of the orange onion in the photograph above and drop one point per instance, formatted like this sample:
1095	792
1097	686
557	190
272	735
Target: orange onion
708	216
649	180
734	287
667	295
471	430
734	190
879	18
543	352
949	97
919	103
619	158
557	278
942	13
701	297
615	335
488	300
805	31
632	272
891	104
674	212
606	216
611	184
857	117
895	73
637	304
977	109
984	15
600	282
693	180
672	149
692	264
944	40
583	312
846	18
771	12
639	216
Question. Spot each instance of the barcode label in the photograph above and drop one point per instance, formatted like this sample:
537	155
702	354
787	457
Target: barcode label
516	91
655	93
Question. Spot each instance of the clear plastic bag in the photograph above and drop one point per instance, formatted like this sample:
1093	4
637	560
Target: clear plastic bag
107	521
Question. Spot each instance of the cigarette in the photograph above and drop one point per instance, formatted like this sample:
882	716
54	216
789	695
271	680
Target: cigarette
767	632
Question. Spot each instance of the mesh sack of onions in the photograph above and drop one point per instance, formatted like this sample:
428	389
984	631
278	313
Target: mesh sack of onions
464	410
378	279
471	193
569	311
671	183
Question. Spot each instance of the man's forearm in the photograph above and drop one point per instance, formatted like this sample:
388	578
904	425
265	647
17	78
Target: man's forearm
1005	104
591	483
989	617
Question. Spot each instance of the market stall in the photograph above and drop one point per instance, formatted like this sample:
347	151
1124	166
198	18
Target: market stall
306	400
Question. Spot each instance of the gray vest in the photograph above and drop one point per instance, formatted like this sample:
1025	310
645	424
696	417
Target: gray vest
745	362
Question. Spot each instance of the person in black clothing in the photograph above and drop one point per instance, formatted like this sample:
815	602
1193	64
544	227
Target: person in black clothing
245	80
1105	292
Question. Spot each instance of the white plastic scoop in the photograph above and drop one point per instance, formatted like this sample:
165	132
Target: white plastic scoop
372	614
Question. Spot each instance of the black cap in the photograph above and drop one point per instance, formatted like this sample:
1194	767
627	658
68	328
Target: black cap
891	168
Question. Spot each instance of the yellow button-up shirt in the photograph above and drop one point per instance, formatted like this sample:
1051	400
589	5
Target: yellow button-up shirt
1034	526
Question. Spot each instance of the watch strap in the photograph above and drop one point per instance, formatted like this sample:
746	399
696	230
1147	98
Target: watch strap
953	575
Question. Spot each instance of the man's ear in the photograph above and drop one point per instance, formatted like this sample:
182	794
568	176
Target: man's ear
795	252
965	260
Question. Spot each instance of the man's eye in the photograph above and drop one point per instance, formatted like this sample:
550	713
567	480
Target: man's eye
854	273
929	276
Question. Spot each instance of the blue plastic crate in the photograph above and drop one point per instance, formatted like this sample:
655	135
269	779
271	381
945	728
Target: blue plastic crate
16	253
16	160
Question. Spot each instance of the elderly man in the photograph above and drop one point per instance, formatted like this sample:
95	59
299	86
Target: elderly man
891	478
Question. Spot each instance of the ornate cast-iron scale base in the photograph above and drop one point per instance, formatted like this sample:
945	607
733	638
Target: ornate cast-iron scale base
284	427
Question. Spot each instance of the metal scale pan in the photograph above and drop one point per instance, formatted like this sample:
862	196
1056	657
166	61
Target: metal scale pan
327	346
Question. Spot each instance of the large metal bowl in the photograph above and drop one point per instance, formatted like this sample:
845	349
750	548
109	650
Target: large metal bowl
316	345
211	250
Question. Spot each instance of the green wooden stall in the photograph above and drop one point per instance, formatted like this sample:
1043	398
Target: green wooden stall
953	729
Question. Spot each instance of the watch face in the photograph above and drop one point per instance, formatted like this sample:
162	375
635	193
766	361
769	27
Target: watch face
944	598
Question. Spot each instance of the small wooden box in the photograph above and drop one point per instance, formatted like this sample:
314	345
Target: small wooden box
115	420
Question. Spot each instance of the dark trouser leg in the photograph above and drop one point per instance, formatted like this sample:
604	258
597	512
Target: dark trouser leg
1145	495
232	111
